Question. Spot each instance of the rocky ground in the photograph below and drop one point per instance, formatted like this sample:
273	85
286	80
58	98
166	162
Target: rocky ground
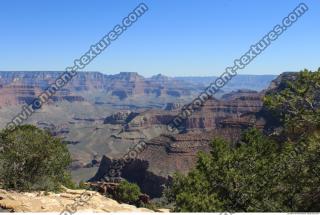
57	202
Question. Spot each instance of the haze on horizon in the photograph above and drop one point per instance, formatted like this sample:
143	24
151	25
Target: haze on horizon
180	38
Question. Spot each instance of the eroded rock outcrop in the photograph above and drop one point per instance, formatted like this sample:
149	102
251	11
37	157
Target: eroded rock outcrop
120	117
58	202
167	153
22	87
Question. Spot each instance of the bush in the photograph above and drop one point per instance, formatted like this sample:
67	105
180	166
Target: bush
256	176
297	105
31	159
83	185
262	173
127	193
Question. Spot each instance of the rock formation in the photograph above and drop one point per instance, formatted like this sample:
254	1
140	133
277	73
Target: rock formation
23	87
167	152
72	200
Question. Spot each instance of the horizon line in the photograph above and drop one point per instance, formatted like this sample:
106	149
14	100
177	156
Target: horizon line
116	73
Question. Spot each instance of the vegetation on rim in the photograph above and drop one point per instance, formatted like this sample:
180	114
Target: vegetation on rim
31	159
262	173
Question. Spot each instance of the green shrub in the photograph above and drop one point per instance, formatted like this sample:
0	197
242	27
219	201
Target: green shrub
256	176
31	159
127	193
297	106
262	173
84	186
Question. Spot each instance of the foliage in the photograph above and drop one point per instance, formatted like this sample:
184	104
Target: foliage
256	176
298	104
31	159
150	205
260	173
83	185
127	192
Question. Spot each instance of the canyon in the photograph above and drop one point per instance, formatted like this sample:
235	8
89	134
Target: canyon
101	116
167	153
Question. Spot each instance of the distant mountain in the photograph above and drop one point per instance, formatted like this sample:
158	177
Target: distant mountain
22	87
251	82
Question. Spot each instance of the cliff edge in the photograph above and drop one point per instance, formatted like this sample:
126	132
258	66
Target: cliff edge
74	200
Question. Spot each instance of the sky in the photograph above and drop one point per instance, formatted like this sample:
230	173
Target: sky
174	37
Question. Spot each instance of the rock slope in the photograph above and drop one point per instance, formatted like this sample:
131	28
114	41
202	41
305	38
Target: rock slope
52	202
167	152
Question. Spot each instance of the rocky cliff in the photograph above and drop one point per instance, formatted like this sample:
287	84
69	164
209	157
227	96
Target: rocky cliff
22	87
167	152
71	200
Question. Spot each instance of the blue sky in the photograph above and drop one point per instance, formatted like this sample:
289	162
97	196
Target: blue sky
175	37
